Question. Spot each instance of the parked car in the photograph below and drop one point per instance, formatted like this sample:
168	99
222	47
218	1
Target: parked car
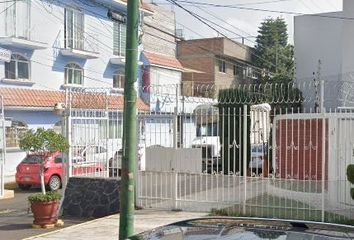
28	171
91	153
258	153
115	163
248	228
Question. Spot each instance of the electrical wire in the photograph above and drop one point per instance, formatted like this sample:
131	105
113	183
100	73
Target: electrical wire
204	20
36	61
262	10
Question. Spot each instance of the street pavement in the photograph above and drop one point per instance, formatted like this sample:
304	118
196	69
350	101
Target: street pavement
16	220
107	228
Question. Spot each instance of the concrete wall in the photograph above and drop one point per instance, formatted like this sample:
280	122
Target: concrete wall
34	120
160	37
171	159
328	39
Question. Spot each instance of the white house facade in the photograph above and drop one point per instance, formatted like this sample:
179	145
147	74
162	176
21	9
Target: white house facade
58	45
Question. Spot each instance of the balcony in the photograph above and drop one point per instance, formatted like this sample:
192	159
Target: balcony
22	40
119	60
85	48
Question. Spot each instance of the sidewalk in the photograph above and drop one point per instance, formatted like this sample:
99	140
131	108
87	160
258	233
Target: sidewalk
107	227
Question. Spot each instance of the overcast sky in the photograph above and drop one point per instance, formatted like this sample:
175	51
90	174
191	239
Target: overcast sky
241	22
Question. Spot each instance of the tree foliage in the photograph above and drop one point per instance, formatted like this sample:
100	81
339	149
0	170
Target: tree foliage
43	140
273	53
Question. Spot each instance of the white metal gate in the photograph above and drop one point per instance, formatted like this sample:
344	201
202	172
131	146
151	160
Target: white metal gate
2	149
254	151
264	157
94	132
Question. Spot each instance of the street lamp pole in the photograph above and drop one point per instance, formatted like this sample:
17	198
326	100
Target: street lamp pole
126	224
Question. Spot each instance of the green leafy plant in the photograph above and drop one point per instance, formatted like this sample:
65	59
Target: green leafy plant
350	173
350	177
48	197
43	140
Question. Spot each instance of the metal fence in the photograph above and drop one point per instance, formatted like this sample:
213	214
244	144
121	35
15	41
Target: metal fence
2	149
253	150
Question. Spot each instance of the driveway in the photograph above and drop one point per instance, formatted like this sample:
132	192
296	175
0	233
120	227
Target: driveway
16	220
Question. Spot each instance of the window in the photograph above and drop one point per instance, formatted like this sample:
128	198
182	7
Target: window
18	68
207	130
238	71
73	74
74	29
222	66
118	79
33	159
115	129
119	38
58	160
17	18
251	73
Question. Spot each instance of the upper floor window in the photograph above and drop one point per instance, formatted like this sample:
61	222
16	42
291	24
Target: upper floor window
251	73
74	29
73	74
119	38
238	71
222	66
118	79
17	18
17	68
235	70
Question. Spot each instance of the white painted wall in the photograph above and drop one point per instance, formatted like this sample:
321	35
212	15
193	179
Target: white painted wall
329	39
47	65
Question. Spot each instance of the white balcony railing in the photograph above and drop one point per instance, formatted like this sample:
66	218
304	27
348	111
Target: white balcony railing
86	43
85	47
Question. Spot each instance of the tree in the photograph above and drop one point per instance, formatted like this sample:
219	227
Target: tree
43	142
273	53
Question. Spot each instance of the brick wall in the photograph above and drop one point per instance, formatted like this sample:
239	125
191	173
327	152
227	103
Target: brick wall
295	157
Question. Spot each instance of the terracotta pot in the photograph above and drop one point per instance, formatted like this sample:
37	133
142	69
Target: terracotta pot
45	212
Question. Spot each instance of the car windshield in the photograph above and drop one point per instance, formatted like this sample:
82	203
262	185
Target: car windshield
33	159
247	230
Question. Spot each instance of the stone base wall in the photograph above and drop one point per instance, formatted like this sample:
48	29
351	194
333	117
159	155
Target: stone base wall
91	197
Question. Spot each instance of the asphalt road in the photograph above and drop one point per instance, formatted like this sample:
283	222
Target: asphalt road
16	220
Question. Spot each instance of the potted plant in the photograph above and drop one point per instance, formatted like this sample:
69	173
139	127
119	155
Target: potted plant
44	205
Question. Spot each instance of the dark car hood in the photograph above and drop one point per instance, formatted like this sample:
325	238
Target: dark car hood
248	229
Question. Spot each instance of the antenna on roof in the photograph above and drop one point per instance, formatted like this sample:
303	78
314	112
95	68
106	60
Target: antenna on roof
180	34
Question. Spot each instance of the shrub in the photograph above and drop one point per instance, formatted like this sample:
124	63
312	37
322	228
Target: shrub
352	193
350	173
48	197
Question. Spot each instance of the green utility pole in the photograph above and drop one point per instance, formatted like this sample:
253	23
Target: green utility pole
126	224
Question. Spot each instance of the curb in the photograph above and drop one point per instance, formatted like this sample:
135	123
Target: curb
8	194
70	227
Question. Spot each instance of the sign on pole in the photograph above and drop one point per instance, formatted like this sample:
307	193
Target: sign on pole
5	55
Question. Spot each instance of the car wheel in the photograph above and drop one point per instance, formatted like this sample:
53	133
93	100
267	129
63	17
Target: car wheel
24	186
54	183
